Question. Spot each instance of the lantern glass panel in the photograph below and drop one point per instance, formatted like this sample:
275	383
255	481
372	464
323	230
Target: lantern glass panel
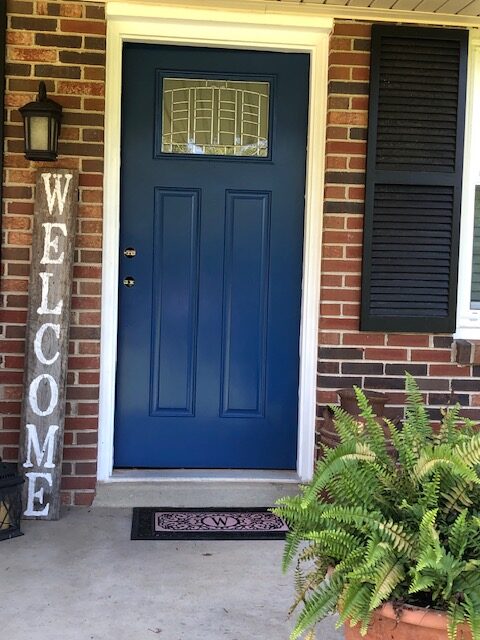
39	133
10	501
4	515
10	512
53	135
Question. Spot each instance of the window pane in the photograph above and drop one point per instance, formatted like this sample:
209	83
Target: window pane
476	253
215	117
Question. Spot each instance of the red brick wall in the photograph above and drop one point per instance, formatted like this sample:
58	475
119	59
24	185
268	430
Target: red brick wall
63	43
346	356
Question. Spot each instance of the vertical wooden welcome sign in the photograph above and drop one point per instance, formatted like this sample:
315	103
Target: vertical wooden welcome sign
46	352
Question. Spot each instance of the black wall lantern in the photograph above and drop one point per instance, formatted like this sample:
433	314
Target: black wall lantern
10	501
41	120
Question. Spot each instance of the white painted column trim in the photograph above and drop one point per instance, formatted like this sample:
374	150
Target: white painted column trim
273	31
468	320
312	254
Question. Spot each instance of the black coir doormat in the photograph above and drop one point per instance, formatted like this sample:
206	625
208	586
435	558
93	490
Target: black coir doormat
162	523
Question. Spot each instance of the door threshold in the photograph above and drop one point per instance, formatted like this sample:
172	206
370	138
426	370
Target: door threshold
204	475
195	488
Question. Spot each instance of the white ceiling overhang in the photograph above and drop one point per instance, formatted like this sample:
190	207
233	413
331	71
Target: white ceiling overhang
459	13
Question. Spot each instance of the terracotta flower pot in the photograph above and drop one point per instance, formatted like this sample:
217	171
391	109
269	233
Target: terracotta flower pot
348	400
408	623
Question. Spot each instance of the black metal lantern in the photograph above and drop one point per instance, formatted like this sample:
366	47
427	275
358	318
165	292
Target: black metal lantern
10	501
41	121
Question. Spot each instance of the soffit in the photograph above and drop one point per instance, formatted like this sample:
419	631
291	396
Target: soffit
468	8
445	12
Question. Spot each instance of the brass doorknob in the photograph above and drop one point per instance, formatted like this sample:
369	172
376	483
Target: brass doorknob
129	281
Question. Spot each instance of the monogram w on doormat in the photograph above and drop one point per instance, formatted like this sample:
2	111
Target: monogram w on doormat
166	523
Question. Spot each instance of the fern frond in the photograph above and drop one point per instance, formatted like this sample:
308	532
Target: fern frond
306	583
416	415
430	562
375	435
449	427
334	543
291	509
416	429
350	562
458	537
310	552
457	495
387	576
336	461
455	617
428	537
374	556
317	606
472	611
345	424
293	540
387	529
472	565
442	457
362	486
299	579
395	433
355	603
469	450
408	448
422	582
449	568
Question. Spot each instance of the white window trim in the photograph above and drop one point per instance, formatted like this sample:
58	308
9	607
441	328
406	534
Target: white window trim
468	320
270	31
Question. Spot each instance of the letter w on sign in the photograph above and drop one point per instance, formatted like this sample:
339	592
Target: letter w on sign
43	410
59	191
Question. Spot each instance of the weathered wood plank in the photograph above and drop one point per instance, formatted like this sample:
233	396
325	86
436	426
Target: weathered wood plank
43	414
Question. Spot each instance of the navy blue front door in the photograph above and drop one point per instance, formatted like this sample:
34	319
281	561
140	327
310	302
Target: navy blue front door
210	258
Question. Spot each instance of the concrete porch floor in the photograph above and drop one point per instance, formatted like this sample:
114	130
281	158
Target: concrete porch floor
81	578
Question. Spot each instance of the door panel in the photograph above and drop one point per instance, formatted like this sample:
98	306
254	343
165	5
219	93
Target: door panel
207	372
245	296
175	301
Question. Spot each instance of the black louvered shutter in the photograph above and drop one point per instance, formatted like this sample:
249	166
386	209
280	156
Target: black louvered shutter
414	178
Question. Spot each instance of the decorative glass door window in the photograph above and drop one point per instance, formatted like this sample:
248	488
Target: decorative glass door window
215	117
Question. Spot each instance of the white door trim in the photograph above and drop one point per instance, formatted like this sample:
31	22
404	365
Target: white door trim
232	29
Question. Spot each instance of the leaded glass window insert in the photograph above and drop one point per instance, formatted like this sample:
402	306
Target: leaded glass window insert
215	117
475	293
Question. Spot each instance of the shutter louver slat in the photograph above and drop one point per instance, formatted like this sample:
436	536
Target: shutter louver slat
412	74
414	166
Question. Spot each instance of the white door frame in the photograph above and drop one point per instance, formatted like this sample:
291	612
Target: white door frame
269	30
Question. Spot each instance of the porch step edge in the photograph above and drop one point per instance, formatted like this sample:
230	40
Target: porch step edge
191	493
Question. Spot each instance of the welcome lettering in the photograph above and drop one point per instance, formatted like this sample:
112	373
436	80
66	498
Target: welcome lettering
43	412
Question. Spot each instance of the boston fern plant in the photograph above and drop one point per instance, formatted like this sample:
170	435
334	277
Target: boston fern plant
373	526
